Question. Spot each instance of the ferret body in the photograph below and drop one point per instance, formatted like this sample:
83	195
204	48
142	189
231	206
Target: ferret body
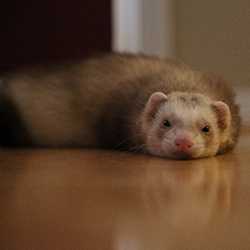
135	103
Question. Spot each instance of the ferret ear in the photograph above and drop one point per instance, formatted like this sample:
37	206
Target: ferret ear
223	114
154	102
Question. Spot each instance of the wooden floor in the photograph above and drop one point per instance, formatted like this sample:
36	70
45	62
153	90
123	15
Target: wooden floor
97	200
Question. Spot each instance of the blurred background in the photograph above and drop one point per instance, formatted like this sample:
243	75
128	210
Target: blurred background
208	35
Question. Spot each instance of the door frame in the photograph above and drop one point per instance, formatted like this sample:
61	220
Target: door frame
144	26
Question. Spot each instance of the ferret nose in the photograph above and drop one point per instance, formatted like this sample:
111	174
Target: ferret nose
184	144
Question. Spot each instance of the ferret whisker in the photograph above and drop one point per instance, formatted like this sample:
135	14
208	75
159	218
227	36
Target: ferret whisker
122	143
139	148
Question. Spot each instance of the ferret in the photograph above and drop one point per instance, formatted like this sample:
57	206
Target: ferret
119	101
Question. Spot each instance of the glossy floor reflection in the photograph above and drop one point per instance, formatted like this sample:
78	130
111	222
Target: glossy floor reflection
105	200
97	200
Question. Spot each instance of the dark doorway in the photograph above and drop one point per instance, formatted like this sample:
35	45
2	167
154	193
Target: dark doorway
34	32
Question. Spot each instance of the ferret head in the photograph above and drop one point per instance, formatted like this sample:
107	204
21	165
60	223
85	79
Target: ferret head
184	125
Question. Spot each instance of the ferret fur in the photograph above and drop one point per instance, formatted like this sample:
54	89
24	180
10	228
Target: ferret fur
99	102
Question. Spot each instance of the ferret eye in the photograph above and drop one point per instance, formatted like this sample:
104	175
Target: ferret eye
167	124
205	129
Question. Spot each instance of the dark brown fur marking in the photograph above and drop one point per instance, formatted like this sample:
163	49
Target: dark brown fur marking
13	131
